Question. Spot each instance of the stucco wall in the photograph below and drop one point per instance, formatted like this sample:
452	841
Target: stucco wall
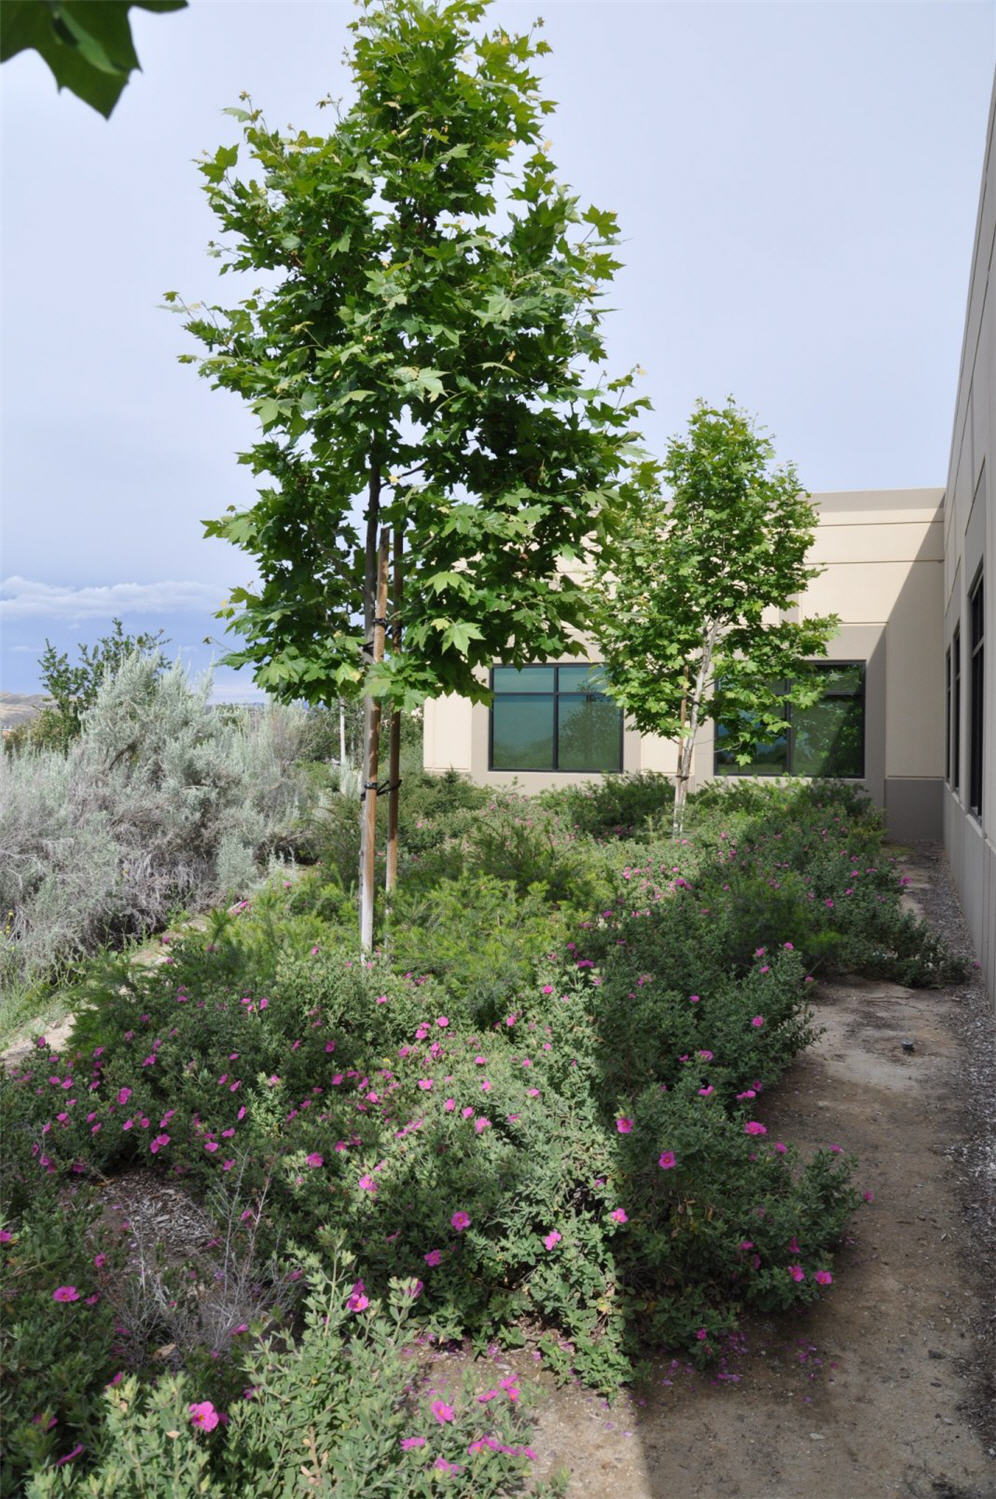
883	576
970	546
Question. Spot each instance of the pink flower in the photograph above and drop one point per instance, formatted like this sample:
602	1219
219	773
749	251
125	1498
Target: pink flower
442	1411
65	1293
434	1257
667	1159
407	1443
314	1159
357	1300
203	1415
797	1272
757	1022
460	1221
552	1239
425	1083
442	1021
823	1278
5	1236
753	1128
706	1092
449	1105
123	1095
158	1143
367	1184
619	1215
624	1126
868	1196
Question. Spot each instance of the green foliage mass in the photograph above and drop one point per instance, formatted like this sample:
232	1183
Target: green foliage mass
158	803
73	688
425	352
512	1120
718	537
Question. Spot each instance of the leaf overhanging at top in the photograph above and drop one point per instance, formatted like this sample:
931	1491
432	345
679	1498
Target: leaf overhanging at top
87	44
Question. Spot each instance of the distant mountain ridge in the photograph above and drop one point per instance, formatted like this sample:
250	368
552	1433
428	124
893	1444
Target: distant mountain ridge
18	707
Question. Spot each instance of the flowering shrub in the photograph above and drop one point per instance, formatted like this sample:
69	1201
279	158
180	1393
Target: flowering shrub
340	1406
513	1119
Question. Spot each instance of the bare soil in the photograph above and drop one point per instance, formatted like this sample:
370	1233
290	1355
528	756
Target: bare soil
885	1389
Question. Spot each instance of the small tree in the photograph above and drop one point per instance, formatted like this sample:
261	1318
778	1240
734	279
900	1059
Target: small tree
421	364
681	619
73	689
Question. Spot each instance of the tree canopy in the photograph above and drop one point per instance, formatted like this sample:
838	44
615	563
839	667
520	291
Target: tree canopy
693	612
86	43
422	355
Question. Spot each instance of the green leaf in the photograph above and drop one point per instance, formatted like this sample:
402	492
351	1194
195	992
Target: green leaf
87	44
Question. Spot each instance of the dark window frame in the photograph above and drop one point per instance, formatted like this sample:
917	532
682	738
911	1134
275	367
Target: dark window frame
956	708
556	694
860	695
947	715
976	691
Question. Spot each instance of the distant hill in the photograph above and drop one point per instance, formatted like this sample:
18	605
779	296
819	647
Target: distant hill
17	707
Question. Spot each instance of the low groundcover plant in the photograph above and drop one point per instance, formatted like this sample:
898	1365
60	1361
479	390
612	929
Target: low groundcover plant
394	1152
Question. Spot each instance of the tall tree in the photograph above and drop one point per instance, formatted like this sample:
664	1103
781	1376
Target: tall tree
423	357
707	558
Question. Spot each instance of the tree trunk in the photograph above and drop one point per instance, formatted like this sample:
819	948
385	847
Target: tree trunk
686	744
342	734
371	714
369	836
394	772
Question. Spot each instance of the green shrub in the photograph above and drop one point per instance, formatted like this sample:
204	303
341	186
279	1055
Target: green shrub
625	806
158	802
335	1406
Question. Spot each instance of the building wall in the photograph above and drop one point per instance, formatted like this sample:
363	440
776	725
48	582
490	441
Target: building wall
882	554
970	549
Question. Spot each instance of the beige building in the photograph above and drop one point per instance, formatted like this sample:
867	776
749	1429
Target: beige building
909	708
879	723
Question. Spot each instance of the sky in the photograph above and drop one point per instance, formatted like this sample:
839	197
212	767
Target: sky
796	184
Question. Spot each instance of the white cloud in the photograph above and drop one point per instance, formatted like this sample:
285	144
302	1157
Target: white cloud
231	690
23	598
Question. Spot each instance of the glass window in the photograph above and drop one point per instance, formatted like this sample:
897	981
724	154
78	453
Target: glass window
947	715
554	718
976	687
956	708
826	739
